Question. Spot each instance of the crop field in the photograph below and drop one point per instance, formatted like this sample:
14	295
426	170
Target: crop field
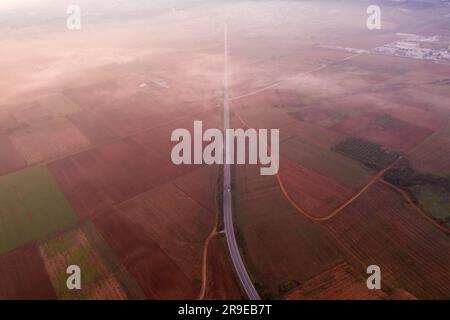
432	156
10	158
316	194
200	185
102	276
221	282
268	110
413	253
154	271
312	134
370	154
47	108
31	207
340	282
175	221
267	226
23	275
435	201
49	141
391	133
394	134
326	162
109	174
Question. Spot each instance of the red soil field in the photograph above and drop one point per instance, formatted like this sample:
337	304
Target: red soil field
433	155
136	113
23	275
8	123
10	158
155	272
340	282
42	143
279	244
397	139
221	282
390	132
310	133
428	119
101	94
412	254
313	114
200	185
177	223
113	173
94	126
316	194
45	109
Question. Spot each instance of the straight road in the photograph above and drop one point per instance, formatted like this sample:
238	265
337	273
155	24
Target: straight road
233	248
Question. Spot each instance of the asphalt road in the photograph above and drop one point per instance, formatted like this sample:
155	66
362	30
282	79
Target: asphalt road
233	248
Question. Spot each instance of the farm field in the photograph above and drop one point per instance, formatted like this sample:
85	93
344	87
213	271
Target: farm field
175	221
316	194
31	207
266	235
326	162
221	284
112	173
23	275
432	156
87	177
103	277
408	248
340	282
435	201
154	271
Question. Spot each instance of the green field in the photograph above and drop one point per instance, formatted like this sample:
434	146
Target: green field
326	162
31	207
435	201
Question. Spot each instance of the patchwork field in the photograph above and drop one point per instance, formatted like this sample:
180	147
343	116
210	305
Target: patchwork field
112	173
86	175
340	282
413	253
267	226
154	271
102	276
49	141
316	194
326	162
432	156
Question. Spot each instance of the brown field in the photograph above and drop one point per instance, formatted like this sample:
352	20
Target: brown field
221	283
316	194
154	271
175	221
268	226
113	173
200	185
23	275
432	155
340	282
98	107
10	158
412	253
390	132
48	141
326	162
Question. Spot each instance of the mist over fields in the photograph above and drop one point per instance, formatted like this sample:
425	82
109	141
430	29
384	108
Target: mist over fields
86	175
